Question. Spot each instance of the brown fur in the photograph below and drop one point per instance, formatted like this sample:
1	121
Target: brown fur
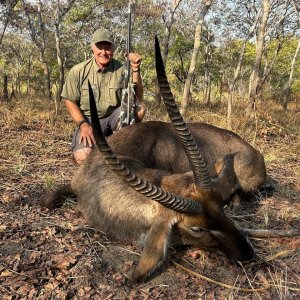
157	146
111	205
154	152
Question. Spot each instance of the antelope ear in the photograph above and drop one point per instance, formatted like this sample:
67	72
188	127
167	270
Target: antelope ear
193	191
216	168
180	184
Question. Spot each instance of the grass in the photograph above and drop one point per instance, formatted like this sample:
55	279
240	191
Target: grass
35	155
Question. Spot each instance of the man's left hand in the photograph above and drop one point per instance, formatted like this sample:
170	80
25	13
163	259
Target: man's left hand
135	61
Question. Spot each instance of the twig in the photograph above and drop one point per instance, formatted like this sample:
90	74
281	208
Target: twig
241	265
228	286
281	253
287	287
11	292
260	233
129	251
271	257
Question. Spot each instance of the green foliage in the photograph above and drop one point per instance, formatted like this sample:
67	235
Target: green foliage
84	17
282	66
49	182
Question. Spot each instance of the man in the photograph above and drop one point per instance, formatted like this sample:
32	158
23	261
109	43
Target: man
106	76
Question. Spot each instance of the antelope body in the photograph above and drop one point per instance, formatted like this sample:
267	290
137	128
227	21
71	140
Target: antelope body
157	145
175	196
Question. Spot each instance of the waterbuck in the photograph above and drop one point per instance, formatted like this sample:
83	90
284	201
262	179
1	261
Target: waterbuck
151	183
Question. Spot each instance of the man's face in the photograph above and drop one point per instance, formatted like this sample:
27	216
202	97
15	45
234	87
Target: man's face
103	53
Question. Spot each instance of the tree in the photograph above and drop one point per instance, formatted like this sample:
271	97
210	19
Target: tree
8	7
7	11
288	86
37	29
206	5
57	35
238	69
207	39
276	23
260	40
61	11
168	19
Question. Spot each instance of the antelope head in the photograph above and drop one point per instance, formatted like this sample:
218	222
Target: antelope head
211	228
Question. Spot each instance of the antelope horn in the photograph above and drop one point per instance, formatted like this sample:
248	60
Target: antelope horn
196	160
167	199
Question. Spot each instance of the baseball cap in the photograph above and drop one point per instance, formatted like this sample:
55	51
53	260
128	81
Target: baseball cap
102	35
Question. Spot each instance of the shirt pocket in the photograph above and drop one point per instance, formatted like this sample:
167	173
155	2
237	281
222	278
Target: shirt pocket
84	98
115	94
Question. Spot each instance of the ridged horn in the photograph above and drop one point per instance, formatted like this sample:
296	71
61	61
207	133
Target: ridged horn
167	199
198	165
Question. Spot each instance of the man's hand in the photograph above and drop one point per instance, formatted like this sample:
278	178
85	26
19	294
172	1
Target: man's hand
86	135
135	61
86	130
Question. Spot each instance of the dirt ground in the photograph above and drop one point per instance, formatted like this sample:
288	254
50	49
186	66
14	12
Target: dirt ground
56	255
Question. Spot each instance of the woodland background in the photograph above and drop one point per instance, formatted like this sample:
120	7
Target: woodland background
213	50
233	64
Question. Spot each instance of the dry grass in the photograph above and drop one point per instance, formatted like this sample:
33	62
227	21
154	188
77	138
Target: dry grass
35	155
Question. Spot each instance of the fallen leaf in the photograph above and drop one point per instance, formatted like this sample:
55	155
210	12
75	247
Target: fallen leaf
262	278
6	273
2	228
81	293
63	261
49	286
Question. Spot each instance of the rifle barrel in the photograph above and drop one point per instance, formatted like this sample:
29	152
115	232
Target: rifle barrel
128	50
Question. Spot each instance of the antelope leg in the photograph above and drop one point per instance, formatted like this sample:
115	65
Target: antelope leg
154	252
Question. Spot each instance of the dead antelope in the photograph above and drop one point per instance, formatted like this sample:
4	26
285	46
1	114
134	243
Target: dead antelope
174	198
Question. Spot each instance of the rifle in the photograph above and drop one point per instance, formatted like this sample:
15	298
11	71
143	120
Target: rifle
128	102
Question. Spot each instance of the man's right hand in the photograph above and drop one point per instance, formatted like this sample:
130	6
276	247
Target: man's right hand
86	135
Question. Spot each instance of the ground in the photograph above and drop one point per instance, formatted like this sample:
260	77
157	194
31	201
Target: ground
55	255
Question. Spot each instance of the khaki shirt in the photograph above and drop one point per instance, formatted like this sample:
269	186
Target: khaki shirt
106	85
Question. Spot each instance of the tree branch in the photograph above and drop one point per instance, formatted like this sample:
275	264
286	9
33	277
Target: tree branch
271	233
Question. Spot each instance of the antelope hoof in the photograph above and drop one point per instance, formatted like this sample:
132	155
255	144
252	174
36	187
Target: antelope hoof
138	275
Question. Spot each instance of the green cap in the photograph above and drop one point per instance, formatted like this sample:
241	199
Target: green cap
102	35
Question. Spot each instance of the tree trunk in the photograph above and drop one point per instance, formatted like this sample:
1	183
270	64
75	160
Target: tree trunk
59	17
10	9
207	98
46	76
18	83
59	62
268	67
29	75
237	71
5	88
254	77
229	110
167	35
207	72
12	94
166	42
288	88
39	39
233	83
221	86
198	30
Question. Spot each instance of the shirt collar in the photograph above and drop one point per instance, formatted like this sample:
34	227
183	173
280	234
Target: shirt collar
108	68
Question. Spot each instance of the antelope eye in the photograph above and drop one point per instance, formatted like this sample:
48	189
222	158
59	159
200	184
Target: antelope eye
196	229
